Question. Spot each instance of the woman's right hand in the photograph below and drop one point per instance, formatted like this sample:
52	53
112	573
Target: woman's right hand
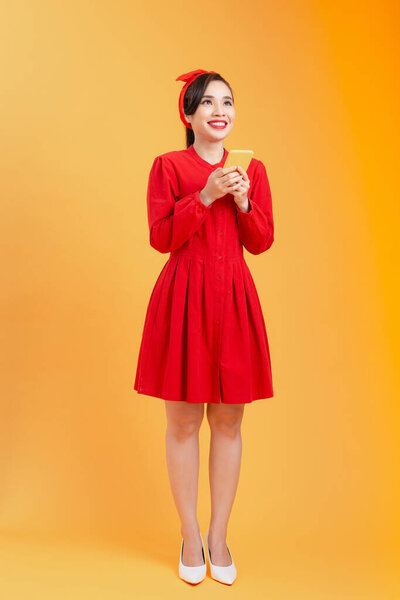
220	182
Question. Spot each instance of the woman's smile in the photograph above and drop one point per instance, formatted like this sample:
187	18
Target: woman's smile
218	124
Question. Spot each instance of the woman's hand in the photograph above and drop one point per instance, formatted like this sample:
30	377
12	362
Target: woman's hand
240	192
221	182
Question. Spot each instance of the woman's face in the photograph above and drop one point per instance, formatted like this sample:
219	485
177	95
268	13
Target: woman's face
215	105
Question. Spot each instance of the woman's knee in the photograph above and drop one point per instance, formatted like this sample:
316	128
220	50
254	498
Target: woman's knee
183	419
225	420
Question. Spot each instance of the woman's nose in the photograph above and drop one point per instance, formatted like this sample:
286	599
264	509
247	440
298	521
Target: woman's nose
219	110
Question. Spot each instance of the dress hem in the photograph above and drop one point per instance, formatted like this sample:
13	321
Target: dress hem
163	397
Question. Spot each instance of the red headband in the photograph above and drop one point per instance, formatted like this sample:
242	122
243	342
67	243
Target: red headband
189	78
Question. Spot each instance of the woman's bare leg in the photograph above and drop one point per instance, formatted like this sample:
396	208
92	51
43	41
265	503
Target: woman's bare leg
224	468
182	451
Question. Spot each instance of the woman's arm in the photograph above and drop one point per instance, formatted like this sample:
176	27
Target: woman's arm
172	221
256	227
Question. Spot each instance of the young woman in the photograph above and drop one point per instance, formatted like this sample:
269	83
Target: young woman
204	338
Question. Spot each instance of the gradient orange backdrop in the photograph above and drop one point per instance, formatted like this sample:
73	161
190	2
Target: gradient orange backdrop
88	99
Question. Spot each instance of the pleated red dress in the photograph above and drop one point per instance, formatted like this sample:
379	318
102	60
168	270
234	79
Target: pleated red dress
204	337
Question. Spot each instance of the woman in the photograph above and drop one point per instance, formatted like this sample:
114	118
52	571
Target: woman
204	338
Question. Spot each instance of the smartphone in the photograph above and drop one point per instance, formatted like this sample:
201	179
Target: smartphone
240	158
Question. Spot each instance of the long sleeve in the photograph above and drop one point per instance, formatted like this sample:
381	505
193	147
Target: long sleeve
256	227
172	220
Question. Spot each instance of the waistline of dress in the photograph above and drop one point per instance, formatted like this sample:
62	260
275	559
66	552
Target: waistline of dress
215	257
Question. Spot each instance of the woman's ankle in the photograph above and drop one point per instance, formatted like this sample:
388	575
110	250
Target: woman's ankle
190	531
217	532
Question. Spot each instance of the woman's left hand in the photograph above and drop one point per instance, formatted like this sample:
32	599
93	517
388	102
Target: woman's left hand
241	189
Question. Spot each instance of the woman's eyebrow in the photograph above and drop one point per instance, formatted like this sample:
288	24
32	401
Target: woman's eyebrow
208	96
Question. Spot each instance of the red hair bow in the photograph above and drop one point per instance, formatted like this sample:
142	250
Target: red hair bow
188	78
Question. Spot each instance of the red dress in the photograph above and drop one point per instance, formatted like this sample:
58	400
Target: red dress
204	337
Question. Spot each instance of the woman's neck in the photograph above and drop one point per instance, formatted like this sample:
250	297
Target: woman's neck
212	152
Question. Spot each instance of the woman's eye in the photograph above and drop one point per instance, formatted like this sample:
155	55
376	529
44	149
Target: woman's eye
227	101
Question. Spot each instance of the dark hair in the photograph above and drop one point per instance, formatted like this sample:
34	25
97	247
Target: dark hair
194	94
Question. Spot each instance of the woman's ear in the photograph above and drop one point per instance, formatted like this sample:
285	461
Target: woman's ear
187	117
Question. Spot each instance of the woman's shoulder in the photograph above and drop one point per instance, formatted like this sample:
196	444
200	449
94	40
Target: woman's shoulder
257	163
256	166
171	161
173	164
171	157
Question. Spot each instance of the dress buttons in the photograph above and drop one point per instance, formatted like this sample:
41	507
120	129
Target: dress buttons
221	233
219	257
218	276
217	321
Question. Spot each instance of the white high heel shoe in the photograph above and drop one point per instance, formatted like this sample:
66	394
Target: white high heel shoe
219	573
192	574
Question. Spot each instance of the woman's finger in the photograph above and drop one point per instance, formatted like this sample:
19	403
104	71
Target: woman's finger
234	180
243	172
222	171
231	176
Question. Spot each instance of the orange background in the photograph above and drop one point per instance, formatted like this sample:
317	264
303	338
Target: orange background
88	99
